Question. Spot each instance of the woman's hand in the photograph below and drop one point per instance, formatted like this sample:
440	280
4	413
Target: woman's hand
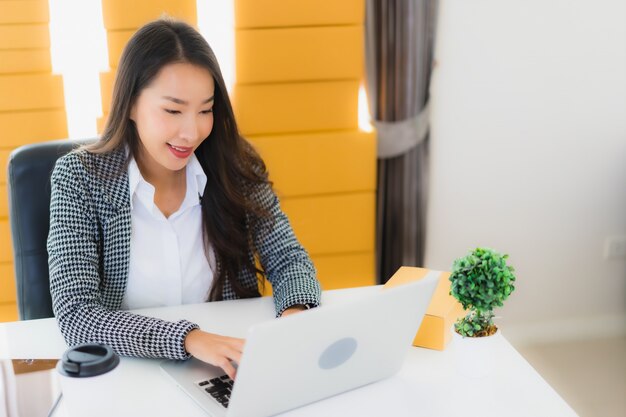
215	349
293	309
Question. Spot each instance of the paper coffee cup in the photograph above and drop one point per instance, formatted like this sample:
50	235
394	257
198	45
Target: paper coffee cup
85	374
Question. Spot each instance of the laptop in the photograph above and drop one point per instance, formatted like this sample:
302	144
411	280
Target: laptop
312	355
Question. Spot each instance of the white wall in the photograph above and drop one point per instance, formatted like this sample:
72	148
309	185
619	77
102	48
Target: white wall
529	155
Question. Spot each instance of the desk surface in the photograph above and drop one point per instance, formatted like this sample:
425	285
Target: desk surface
427	385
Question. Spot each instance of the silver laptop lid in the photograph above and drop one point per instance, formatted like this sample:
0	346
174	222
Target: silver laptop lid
318	353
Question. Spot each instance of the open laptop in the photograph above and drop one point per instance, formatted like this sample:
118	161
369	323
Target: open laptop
306	357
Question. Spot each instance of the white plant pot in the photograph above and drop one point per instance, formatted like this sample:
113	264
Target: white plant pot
475	357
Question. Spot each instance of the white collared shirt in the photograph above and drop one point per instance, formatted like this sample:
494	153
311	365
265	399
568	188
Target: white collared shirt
168	265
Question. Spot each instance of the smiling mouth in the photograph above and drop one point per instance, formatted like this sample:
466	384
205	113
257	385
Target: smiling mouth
181	148
180	151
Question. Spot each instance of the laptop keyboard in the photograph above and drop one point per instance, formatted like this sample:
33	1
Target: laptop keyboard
218	388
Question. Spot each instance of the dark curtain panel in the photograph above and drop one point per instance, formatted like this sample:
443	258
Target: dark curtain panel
399	54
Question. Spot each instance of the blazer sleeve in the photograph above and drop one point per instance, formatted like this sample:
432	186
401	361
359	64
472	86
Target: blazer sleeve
76	282
285	262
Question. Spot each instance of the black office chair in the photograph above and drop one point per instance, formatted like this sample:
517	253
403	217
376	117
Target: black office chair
30	167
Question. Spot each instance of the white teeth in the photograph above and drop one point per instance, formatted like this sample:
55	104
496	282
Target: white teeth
179	149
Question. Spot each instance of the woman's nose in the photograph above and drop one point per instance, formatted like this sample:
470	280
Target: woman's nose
189	128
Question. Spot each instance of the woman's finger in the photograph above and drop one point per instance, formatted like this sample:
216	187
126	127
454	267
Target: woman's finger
228	368
234	355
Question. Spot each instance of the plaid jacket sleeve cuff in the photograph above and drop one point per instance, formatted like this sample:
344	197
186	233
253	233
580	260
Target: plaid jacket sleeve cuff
187	327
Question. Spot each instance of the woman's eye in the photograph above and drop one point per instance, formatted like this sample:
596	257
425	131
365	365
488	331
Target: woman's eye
206	111
172	111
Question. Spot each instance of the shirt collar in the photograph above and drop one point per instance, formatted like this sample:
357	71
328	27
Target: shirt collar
196	174
134	178
196	181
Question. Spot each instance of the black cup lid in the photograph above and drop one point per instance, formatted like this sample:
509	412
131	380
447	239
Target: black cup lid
88	360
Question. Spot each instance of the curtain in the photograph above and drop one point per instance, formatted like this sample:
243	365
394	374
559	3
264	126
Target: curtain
399	58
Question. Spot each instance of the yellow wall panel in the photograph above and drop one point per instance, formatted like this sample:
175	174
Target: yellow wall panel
345	270
319	163
296	107
280	13
31	109
32	126
24	36
107	79
117	40
7	283
31	91
101	122
24	11
4	201
299	63
299	54
8	312
6	250
25	60
4	161
120	14
333	223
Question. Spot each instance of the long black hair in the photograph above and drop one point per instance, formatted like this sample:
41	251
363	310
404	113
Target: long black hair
233	168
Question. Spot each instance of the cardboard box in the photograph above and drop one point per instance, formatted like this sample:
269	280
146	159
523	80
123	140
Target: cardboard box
436	329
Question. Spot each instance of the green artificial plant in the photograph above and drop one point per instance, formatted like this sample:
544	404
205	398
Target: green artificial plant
480	281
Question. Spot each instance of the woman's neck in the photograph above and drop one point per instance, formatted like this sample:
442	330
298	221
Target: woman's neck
157	175
170	187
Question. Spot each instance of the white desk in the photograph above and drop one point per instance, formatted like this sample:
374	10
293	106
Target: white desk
427	385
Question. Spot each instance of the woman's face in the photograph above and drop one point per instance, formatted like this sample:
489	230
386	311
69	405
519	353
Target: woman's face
173	115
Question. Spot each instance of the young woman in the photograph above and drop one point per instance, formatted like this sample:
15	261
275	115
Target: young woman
170	206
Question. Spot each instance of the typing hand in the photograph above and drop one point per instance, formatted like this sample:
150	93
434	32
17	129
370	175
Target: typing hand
215	349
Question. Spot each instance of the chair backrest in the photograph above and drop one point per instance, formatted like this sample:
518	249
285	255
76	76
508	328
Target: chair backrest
30	167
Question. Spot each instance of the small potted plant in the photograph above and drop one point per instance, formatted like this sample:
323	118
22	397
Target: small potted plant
481	281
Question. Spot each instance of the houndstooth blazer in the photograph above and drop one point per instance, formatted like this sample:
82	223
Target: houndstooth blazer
89	247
